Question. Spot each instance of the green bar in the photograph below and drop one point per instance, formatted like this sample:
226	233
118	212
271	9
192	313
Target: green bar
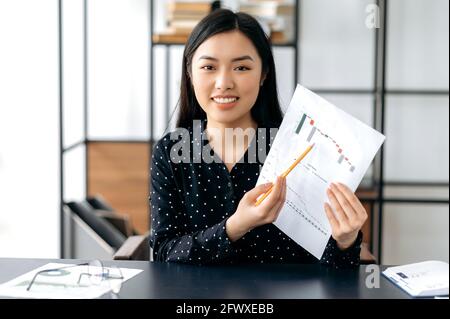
299	127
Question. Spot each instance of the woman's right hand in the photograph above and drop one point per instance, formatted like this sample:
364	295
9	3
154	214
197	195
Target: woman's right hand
249	216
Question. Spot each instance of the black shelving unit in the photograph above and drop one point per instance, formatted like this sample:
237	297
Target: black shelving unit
378	93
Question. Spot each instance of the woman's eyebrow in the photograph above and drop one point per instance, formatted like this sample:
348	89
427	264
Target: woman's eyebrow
241	58
244	57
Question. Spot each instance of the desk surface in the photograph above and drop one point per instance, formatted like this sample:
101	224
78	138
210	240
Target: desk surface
169	280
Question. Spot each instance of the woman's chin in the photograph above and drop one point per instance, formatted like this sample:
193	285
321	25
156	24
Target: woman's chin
225	117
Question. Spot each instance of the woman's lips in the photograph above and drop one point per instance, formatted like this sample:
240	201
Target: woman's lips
225	106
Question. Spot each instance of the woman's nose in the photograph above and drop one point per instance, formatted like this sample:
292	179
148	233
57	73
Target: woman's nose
224	81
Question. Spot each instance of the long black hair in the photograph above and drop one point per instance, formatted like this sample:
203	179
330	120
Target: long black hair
266	111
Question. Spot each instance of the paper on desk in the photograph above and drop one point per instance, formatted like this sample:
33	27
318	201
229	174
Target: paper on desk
344	148
63	286
423	279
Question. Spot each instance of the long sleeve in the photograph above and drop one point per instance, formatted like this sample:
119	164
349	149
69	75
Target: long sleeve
191	201
337	258
171	238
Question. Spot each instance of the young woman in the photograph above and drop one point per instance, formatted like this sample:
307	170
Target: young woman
203	210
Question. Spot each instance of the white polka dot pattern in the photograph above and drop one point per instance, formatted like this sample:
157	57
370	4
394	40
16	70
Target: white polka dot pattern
190	203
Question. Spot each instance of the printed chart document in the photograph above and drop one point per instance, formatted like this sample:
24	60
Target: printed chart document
423	279
62	284
343	149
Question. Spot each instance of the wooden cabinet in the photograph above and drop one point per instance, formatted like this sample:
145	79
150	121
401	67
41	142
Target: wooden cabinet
120	173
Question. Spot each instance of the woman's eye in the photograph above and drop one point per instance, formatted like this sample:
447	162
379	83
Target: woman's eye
207	67
242	68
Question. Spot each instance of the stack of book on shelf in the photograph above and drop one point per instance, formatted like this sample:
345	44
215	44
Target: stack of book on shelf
277	15
182	17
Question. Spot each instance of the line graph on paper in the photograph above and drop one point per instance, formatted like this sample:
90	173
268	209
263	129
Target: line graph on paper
342	152
309	180
301	208
304	206
329	158
313	130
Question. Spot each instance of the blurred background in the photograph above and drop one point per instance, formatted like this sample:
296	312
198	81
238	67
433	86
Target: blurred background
87	87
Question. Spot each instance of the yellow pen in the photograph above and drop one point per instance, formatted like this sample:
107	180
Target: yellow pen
298	160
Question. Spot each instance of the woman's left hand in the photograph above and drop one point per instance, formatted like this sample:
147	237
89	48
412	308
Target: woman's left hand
346	216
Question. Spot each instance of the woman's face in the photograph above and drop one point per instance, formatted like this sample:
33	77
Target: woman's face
226	75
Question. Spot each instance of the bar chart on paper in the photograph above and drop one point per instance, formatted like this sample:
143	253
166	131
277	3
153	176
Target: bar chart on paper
343	150
312	131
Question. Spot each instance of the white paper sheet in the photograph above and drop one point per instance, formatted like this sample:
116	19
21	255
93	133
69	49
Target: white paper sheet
344	148
63	285
422	279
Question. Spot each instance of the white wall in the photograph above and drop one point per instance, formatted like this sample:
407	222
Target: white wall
417	138
73	71
118	78
74	164
29	136
415	232
336	47
417	142
418	44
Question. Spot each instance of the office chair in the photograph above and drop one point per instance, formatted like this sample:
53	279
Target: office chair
135	248
366	257
105	210
106	230
98	202
114	228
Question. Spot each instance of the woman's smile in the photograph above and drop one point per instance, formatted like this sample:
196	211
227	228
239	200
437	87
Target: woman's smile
225	102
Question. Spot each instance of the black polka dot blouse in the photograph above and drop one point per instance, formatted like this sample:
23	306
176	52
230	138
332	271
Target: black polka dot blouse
191	201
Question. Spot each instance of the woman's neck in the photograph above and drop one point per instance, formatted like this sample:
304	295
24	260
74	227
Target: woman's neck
217	130
231	140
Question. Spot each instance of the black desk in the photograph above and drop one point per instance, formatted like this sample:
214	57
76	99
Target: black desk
161	280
